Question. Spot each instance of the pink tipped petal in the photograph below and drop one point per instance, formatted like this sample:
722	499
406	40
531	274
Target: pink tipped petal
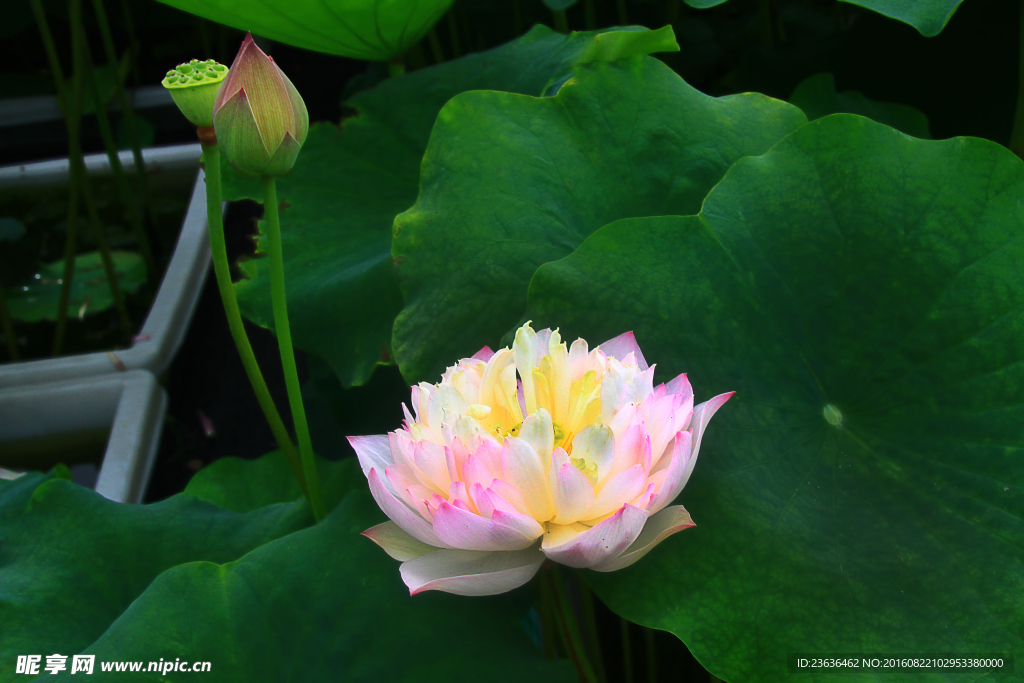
620	489
372	451
401	514
574	495
673	481
483	354
396	542
236	129
622	346
702	414
467	531
471	572
680	385
600	543
524	468
659	527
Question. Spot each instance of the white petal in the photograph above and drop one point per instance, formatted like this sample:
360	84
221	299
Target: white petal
471	572
372	451
396	542
702	414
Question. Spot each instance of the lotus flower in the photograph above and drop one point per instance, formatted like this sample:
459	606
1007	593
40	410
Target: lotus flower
576	461
259	117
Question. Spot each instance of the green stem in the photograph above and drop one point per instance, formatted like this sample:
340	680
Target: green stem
627	652
590	15
80	176
8	328
560	20
127	113
71	105
453	32
222	271
435	46
623	15
590	625
547	619
127	198
652	661
517	17
396	67
133	39
764	9
101	241
1017	137
284	340
568	628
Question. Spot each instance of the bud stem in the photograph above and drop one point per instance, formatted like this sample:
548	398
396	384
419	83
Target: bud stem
222	270
284	340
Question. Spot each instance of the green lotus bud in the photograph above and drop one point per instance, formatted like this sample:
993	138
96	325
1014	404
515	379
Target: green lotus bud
194	86
260	119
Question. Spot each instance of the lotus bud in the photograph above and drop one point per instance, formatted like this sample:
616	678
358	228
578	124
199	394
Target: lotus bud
259	117
194	87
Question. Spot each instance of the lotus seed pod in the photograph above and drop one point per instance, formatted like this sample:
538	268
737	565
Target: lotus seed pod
194	86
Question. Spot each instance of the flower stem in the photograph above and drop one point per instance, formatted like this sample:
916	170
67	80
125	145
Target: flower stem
103	123
590	625
453	33
627	652
623	14
435	46
560	20
590	15
8	328
284	340
127	113
652	661
1017	137
71	103
222	270
567	626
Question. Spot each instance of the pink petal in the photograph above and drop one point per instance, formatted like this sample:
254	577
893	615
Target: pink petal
396	542
401	514
601	543
573	493
483	354
702	414
621	488
471	572
659	527
674	477
467	531
524	468
622	346
680	385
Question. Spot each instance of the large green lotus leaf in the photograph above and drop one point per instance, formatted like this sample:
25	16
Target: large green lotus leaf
363	29
511	182
348	185
38	298
324	605
854	267
16	493
817	97
243	485
75	560
929	17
